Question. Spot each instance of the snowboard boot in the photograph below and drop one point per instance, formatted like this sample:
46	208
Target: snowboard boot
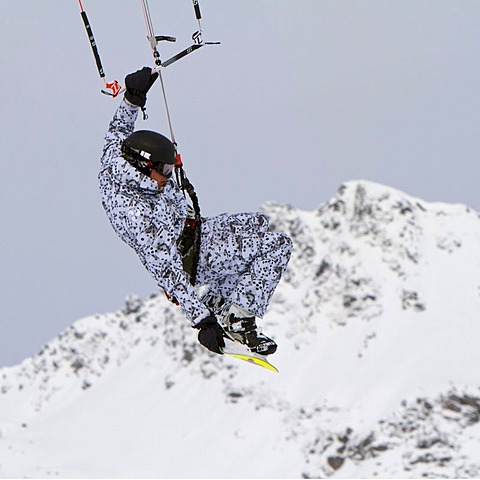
240	326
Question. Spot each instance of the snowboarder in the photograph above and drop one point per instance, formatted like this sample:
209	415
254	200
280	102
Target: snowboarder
239	259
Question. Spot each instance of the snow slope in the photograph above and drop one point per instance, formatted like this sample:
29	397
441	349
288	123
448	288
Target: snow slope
378	324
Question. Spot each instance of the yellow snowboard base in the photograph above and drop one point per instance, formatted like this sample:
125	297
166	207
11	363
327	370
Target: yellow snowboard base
237	350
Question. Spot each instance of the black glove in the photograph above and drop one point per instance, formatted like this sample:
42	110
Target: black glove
138	84
210	334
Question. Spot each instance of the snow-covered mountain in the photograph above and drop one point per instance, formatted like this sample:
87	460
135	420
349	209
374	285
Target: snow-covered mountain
378	322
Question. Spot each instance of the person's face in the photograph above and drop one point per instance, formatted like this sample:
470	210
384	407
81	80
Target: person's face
159	178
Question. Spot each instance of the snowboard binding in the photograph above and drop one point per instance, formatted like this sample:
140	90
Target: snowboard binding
243	339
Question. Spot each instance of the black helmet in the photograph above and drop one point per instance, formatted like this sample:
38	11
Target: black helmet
148	151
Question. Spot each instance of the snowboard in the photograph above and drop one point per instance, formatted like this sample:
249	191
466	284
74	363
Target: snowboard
233	348
241	352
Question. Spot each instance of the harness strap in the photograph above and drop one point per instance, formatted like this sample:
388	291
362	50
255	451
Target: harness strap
189	242
188	246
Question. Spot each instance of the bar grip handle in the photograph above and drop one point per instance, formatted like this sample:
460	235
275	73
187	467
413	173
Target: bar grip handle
93	44
196	6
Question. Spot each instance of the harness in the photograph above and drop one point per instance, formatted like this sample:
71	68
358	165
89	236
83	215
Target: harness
188	244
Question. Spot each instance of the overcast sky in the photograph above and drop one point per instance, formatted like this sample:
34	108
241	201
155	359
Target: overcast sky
301	96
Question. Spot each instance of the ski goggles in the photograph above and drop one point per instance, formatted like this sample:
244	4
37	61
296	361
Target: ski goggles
165	169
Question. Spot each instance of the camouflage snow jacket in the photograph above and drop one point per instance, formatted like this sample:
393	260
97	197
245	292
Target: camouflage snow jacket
148	219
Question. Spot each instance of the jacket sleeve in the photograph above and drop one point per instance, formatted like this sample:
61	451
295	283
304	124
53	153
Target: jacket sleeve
121	126
155	244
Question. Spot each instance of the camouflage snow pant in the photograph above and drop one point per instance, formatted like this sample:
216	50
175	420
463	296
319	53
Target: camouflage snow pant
241	260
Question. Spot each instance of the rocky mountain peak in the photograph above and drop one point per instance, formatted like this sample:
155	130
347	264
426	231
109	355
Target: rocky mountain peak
378	330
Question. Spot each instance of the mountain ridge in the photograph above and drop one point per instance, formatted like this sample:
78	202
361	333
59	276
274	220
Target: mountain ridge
378	333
